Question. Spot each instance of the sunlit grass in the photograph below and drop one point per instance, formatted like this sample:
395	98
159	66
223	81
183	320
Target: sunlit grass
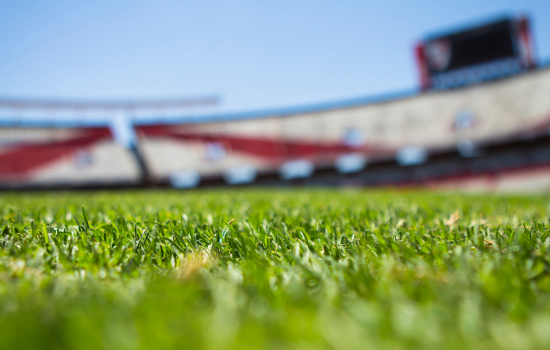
274	269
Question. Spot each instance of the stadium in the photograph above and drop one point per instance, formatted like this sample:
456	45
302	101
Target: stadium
345	225
479	120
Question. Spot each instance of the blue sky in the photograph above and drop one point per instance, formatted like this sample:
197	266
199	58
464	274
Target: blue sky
253	54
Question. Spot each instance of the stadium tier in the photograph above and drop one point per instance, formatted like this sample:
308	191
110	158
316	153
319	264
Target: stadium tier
45	157
405	132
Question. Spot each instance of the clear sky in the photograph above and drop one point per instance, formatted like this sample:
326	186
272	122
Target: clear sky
253	54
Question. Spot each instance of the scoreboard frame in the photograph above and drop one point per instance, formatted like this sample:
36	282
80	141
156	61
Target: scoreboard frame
486	52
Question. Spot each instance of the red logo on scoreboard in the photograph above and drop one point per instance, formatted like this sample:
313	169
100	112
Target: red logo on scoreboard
438	53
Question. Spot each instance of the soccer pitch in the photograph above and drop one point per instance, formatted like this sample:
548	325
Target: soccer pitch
274	269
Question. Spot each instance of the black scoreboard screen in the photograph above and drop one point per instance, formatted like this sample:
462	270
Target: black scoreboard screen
480	45
482	53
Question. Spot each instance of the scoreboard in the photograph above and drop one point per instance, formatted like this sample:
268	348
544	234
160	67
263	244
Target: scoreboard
486	52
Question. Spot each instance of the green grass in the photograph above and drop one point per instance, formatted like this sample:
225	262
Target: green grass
274	270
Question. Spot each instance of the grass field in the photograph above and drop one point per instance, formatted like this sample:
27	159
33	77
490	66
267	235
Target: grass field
274	270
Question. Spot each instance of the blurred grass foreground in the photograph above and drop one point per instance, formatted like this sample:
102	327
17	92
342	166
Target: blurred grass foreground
274	270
